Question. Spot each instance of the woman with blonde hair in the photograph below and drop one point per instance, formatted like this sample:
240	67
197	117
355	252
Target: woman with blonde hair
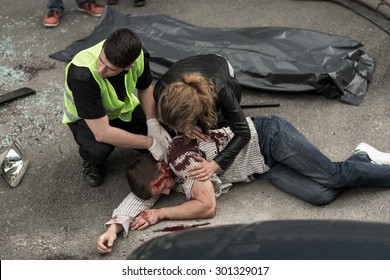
200	93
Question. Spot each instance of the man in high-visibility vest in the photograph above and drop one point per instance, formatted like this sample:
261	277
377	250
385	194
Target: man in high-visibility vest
100	106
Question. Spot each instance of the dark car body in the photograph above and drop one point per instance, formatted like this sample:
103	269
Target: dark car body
273	240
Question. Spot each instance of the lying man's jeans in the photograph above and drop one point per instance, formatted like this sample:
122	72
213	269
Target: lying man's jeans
302	170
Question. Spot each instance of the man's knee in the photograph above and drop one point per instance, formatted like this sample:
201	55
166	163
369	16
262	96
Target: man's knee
302	187
96	152
323	197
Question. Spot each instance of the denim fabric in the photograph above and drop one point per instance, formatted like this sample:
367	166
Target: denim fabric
58	5
302	170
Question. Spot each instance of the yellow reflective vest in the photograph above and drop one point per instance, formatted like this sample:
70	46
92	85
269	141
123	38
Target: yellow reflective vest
115	108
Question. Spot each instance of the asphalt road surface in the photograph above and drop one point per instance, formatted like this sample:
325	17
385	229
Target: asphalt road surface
52	214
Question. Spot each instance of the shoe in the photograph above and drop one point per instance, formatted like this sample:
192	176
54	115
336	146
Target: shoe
139	3
376	156
52	18
91	8
93	174
112	2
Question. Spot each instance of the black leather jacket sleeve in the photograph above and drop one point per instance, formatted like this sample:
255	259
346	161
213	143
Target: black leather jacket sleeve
228	105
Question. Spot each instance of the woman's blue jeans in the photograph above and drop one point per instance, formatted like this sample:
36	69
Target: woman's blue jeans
302	170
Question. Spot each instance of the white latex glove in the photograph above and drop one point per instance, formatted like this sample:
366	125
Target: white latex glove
158	151
159	133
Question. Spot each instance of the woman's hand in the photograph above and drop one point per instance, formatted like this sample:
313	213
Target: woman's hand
204	170
198	134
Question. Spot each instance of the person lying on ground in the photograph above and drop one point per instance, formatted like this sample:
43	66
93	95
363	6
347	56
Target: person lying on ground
276	150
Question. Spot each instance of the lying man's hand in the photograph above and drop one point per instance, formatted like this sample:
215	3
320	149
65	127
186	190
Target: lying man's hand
145	219
105	242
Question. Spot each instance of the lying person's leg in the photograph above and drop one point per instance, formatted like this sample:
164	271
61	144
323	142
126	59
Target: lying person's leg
302	187
281	142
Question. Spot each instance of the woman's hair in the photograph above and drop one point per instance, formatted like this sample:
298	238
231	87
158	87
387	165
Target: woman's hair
188	102
122	47
141	173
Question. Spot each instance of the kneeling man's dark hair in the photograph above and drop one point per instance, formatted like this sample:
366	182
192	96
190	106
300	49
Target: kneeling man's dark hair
122	47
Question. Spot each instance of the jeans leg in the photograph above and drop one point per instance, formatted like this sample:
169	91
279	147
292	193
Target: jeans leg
280	142
56	5
302	187
363	157
80	2
89	149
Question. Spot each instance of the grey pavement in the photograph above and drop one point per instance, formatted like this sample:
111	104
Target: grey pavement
381	6
53	215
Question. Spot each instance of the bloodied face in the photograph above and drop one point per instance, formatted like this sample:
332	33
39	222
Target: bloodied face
164	182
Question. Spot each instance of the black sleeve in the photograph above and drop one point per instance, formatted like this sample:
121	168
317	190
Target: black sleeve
236	119
86	93
146	77
158	89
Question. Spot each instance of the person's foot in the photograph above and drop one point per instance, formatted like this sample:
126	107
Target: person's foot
377	157
52	18
93	174
139	3
91	8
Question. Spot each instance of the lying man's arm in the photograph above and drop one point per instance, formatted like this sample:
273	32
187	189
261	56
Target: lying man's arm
202	205
122	216
107	239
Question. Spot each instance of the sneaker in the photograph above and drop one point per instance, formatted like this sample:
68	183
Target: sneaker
52	18
93	174
139	3
91	8
376	156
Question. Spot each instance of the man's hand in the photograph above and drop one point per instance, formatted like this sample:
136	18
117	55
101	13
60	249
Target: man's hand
158	151
204	170
106	241
105	133
159	133
145	219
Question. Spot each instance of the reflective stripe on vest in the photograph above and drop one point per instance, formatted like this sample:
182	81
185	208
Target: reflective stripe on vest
115	108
